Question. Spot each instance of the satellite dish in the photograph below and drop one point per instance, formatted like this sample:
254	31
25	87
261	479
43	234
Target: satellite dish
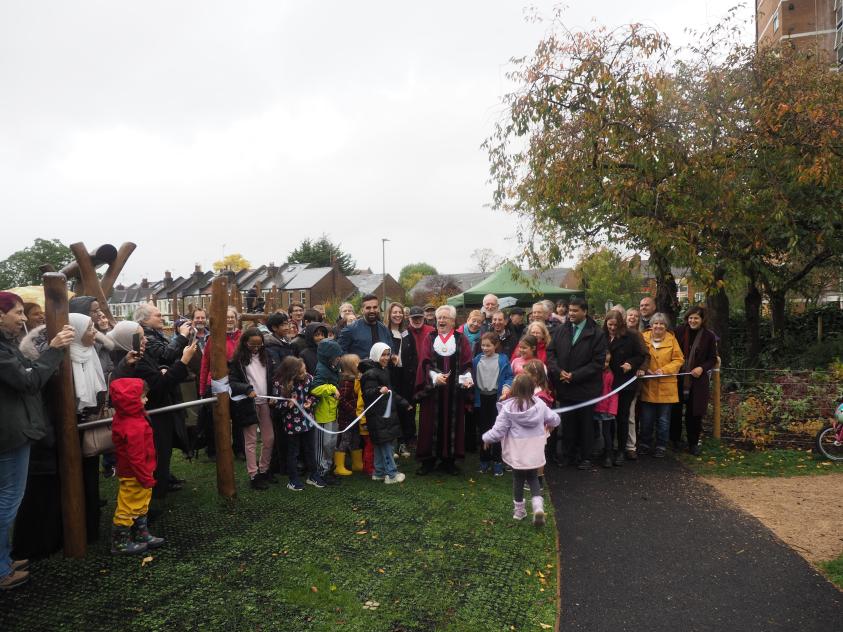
507	301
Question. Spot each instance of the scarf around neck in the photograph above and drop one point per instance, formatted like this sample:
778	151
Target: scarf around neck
88	379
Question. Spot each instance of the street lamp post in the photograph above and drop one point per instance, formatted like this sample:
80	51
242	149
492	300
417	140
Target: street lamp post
383	281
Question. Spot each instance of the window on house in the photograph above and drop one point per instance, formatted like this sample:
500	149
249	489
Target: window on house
699	297
775	22
303	298
289	298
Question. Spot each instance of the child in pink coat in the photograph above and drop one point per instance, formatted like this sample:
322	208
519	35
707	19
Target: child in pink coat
605	412
522	426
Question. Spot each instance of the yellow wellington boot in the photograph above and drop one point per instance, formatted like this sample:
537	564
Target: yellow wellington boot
339	464
357	460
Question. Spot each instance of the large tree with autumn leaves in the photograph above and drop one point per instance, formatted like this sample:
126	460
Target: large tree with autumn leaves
719	157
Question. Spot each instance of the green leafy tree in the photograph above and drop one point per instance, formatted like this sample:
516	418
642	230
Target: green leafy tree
606	276
23	267
412	272
322	252
234	262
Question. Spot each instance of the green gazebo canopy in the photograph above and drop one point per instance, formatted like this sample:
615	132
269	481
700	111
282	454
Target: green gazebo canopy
508	280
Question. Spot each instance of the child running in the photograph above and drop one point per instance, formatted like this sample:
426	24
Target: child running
292	381
493	380
132	437
537	370
523	424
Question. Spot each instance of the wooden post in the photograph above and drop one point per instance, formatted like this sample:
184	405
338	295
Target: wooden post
88	278
62	400
819	327
219	370
715	432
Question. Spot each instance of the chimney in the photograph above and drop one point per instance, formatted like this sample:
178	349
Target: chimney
144	283
271	270
197	271
168	279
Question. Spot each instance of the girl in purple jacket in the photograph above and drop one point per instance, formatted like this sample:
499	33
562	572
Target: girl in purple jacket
523	424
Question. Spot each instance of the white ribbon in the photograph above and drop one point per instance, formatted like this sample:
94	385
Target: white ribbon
567	409
319	427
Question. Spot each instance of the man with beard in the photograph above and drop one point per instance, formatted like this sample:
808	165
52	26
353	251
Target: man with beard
359	337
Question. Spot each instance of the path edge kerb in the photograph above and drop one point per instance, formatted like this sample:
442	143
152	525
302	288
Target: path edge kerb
558	624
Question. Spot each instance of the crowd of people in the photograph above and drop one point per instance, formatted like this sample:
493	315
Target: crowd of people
327	400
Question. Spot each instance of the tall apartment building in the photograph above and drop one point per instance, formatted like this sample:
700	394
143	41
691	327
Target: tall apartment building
816	24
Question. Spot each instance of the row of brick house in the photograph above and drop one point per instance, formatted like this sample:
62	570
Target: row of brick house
280	285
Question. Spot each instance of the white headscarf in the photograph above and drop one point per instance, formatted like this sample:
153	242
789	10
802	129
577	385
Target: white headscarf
377	351
122	334
88	379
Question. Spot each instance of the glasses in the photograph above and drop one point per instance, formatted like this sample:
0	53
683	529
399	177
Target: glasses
254	346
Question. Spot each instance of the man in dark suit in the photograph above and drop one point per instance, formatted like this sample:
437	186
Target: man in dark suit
575	359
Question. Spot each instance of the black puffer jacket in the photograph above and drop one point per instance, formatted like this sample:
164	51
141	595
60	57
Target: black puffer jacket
381	429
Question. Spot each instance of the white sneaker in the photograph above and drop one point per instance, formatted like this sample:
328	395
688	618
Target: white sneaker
375	477
398	478
403	451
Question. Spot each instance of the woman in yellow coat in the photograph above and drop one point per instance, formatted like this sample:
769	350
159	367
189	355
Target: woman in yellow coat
658	394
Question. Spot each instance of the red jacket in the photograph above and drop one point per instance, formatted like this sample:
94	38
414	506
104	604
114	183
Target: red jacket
131	432
231	340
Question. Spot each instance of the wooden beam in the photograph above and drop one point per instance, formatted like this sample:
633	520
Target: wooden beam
88	277
62	401
116	267
219	370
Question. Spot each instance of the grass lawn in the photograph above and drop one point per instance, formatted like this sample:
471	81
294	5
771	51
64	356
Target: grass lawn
720	459
834	570
434	553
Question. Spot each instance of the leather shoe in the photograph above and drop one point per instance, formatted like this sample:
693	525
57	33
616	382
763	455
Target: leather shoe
631	455
14	579
20	565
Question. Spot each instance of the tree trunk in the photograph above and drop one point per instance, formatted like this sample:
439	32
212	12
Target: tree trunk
666	300
717	318
752	307
778	304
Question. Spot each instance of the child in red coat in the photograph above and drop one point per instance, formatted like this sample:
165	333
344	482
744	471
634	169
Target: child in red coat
132	437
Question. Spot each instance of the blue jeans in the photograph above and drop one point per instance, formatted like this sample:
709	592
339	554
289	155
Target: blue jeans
14	465
384	459
660	414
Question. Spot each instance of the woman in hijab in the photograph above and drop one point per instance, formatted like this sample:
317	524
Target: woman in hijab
91	389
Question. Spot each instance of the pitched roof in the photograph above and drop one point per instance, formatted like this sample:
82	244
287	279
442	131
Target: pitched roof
366	283
306	278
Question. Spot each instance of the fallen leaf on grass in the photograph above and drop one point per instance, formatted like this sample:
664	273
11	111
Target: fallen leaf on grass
333	588
314	589
147	560
371	605
545	626
527	570
380	570
361	532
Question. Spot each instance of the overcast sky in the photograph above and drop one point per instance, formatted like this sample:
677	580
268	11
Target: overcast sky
193	128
